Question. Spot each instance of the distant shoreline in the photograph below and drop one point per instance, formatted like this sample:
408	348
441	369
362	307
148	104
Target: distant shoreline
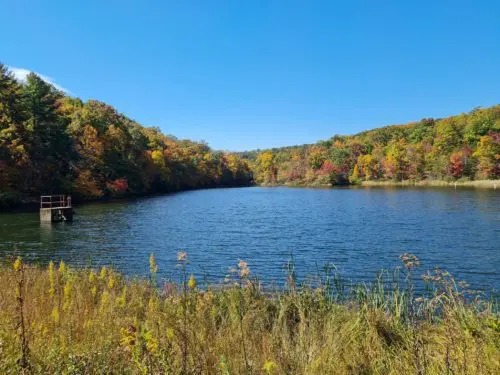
31	204
479	184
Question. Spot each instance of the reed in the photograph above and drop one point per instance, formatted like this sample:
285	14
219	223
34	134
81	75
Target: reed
65	320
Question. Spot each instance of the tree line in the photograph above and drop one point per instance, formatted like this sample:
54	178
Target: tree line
54	143
463	147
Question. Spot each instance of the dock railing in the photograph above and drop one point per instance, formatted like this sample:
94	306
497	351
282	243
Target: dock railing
55	201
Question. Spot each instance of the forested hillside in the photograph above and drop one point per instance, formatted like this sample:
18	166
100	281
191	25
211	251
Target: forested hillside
53	143
463	147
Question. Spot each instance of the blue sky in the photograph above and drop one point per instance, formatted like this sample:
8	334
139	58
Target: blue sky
256	74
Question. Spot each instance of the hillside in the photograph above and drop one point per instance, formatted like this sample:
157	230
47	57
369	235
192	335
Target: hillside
463	147
53	143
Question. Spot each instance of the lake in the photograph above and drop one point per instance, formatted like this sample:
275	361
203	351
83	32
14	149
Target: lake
360	230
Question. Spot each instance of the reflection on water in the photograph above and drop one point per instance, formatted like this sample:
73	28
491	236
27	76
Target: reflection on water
359	230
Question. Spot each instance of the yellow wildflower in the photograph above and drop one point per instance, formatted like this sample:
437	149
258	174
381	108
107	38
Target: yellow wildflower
18	264
52	280
170	333
92	276
269	366
93	291
103	273
192	282
111	282
55	315
151	342
62	267
127	338
153	267
104	300
122	300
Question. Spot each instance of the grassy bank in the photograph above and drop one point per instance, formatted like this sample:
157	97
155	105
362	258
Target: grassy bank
60	320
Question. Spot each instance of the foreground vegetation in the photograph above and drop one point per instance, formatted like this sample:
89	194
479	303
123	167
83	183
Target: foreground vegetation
61	320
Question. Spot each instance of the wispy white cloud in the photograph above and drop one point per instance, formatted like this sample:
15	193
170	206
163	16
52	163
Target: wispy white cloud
21	75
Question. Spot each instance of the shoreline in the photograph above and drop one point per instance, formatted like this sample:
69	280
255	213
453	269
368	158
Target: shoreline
479	184
31	204
24	203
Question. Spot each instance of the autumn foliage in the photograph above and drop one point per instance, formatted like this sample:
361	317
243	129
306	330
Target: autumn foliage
465	147
53	143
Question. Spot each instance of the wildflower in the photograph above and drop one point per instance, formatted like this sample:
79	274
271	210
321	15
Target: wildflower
269	366
52	289
153	304
92	276
103	273
55	315
18	264
122	300
151	342
244	272
67	295
153	267
104	300
62	267
127	336
93	291
409	260
170	333
192	282
111	282
181	256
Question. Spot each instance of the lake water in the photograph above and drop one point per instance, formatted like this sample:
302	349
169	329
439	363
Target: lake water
359	230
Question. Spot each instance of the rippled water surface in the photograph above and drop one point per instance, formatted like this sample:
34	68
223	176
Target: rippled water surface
359	230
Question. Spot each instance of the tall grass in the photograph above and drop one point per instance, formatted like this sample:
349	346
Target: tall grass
62	320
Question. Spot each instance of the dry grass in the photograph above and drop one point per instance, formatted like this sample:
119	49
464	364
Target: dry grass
61	320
